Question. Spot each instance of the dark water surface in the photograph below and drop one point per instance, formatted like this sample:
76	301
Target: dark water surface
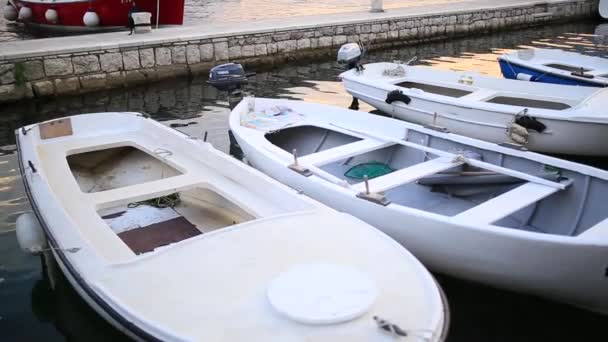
31	309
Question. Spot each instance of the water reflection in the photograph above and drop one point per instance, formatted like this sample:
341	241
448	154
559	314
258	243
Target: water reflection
478	313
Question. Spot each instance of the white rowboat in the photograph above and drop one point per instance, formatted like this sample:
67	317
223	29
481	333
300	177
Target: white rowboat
465	207
553	118
169	239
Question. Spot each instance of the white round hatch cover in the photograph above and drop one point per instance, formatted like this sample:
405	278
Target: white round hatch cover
322	293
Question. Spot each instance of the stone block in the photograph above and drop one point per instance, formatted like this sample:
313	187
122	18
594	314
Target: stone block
85	64
248	51
65	86
325	41
261	50
296	35
43	88
12	92
146	58
111	62
115	79
193	54
163	56
93	82
33	70
134	77
287	46
206	52
376	28
220	50
178	54
58	67
272	48
339	40
280	37
130	60
234	52
303	44
7	73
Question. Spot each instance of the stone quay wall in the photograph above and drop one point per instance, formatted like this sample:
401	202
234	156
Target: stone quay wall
58	72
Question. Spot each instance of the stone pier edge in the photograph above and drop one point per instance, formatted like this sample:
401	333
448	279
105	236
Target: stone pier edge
37	75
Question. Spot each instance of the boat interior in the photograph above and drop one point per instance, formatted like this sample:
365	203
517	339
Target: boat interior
164	213
443	177
490	96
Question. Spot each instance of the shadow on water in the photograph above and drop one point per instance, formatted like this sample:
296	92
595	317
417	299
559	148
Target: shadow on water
30	309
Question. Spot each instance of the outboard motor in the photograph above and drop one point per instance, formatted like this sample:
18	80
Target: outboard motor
351	54
227	77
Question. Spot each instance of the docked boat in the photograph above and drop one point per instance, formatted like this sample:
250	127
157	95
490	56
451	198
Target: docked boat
555	66
98	15
472	209
546	118
171	240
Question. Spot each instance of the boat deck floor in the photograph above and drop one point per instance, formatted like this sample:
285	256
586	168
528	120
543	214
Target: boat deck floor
148	238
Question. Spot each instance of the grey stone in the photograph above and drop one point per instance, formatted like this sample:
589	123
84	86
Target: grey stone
12	92
376	28
339	40
58	67
7	73
281	37
234	52
220	51
65	86
325	41
43	88
93	82
163	56
273	48
178	54
111	62
146	58
206	52
248	51
135	77
287	46
85	64
393	35
33	70
115	79
261	50
303	44
131	60
263	39
193	54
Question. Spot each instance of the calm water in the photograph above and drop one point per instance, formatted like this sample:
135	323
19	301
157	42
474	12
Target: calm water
209	11
31	309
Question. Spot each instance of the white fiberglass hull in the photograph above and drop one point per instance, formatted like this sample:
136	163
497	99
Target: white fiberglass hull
484	121
565	269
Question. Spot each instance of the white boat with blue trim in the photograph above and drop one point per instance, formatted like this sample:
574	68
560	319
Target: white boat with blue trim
555	66
472	209
171	240
547	118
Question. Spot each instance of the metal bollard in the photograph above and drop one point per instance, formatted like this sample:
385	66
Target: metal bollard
377	6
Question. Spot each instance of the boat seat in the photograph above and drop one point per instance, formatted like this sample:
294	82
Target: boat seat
599	230
506	204
343	152
480	95
408	174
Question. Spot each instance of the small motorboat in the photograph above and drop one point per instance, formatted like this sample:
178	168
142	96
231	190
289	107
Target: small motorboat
472	209
541	117
99	15
171	240
555	66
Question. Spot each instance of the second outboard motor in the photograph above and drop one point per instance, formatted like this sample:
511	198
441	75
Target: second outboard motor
350	54
227	77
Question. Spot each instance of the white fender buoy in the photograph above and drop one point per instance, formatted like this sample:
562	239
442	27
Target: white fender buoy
25	13
30	236
10	12
51	16
525	77
91	19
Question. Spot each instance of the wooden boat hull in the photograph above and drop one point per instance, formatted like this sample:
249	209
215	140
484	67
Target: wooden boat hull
562	268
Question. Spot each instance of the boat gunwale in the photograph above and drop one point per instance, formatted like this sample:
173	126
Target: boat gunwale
600	80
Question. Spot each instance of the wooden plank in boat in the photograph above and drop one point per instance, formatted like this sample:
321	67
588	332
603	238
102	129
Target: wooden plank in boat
409	174
55	128
343	152
506	204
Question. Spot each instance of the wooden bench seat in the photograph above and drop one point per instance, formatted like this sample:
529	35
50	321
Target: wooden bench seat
343	152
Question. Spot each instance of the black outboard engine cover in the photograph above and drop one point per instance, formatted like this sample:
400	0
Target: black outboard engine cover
227	77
